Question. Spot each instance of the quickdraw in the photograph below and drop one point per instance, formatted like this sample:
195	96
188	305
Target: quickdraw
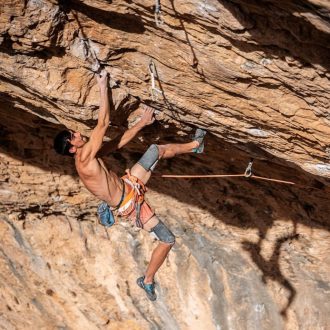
158	13
153	74
248	171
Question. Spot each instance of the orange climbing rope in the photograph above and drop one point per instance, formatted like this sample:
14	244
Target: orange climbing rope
273	180
248	174
252	176
201	176
225	176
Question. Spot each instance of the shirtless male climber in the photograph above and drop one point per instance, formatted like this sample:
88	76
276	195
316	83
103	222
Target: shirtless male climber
125	195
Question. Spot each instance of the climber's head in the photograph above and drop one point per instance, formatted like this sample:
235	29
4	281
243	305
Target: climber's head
67	142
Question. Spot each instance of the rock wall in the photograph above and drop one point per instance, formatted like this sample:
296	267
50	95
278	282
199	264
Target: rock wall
249	254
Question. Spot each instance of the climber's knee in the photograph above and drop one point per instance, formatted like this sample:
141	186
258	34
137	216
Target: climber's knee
150	158
163	234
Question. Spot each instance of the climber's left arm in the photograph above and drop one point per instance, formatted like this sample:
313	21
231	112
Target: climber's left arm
121	140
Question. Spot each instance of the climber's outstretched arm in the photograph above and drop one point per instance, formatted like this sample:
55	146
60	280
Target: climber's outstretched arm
121	140
94	143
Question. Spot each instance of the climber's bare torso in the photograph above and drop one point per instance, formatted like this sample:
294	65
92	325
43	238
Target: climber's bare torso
104	184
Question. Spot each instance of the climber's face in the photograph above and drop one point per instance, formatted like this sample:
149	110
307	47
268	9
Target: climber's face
77	140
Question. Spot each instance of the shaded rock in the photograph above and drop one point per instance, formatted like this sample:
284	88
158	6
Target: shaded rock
249	254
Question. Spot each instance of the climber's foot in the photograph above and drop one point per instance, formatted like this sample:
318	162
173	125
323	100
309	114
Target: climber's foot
148	288
199	137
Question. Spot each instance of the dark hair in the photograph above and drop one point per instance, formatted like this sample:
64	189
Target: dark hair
62	143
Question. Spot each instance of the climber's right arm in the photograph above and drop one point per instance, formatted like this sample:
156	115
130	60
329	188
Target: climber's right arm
94	144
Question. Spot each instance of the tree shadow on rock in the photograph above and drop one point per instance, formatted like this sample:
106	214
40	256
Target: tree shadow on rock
271	268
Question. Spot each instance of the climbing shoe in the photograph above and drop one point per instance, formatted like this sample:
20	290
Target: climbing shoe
199	137
148	288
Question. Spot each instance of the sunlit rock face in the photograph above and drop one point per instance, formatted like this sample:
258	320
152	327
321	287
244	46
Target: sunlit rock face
250	254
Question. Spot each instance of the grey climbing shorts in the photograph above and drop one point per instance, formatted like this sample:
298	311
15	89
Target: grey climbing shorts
163	234
149	159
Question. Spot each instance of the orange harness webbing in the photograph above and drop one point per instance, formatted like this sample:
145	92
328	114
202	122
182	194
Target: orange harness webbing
135	195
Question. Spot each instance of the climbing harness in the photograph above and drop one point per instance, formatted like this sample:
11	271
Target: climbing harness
134	199
158	13
153	74
127	205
